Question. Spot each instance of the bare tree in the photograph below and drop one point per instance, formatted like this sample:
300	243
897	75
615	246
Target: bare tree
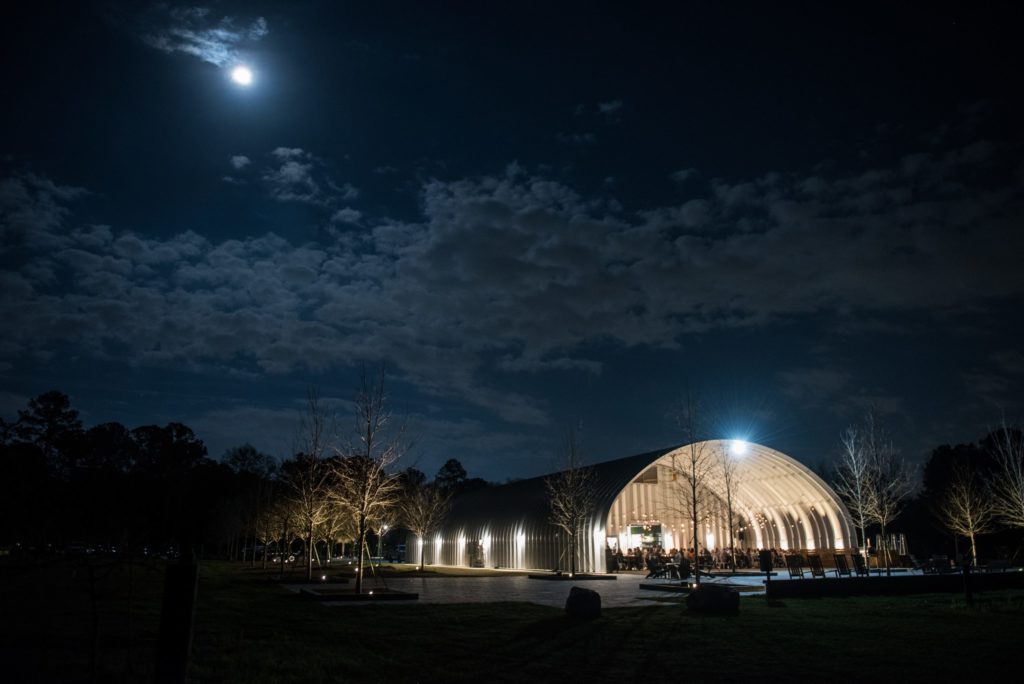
308	475
693	466
853	481
423	509
967	508
364	486
266	524
727	476
892	482
571	495
1008	484
338	526
281	522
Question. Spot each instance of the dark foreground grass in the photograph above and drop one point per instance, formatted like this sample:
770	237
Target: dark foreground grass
79	619
249	629
258	634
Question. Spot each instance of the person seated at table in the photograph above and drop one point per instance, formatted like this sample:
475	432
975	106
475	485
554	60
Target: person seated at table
654	568
677	556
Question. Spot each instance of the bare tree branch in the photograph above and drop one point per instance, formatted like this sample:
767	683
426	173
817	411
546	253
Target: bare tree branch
968	509
423	509
1008	485
693	466
728	479
364	483
308	475
571	495
853	481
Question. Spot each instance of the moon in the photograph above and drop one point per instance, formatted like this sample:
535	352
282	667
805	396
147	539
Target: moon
242	75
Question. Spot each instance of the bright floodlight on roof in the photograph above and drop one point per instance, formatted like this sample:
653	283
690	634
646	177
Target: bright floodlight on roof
738	447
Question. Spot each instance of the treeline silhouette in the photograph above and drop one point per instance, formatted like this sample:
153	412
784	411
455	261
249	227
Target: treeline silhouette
151	489
155	488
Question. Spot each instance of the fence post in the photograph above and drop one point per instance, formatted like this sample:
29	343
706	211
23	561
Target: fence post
176	620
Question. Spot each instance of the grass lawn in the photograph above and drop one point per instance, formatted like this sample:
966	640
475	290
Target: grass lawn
249	629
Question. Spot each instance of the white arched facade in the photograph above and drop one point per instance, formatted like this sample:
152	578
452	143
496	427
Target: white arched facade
777	502
643	500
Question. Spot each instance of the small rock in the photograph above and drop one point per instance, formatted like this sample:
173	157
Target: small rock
714	599
584	604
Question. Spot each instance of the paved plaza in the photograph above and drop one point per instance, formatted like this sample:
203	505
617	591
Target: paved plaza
617	593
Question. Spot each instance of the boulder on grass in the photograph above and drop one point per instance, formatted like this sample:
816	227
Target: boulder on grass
583	604
714	599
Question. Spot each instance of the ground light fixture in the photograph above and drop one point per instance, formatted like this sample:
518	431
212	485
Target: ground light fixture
738	447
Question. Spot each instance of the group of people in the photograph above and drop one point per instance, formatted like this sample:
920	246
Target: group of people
656	559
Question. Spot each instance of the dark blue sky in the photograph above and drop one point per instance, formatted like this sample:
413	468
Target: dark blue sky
534	216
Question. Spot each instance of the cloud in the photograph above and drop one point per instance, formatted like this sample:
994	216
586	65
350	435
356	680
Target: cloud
346	215
298	176
513	273
611	110
199	32
683	175
240	161
33	210
813	386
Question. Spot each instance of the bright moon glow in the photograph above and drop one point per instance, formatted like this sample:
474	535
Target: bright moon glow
242	75
738	447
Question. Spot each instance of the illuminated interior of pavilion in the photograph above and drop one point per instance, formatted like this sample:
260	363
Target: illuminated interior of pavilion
777	503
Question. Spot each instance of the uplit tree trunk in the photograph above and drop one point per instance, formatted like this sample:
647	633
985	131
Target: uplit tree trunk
727	474
572	554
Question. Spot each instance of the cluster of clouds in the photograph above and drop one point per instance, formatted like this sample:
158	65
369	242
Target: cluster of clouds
292	174
511	273
200	32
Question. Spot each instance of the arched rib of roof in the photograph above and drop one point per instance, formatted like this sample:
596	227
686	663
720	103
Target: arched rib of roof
770	482
524	501
768	479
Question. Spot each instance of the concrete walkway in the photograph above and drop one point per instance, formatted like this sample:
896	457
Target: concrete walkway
624	591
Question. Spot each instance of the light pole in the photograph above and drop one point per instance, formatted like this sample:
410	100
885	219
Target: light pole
380	540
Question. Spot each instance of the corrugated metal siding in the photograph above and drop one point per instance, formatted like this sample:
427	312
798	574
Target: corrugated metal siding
784	504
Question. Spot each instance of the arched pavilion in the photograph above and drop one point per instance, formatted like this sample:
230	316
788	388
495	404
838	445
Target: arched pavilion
641	501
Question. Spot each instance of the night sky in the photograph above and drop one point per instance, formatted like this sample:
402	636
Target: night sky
534	216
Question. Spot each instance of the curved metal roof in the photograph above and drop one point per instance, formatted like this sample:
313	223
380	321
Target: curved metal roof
528	499
509	525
